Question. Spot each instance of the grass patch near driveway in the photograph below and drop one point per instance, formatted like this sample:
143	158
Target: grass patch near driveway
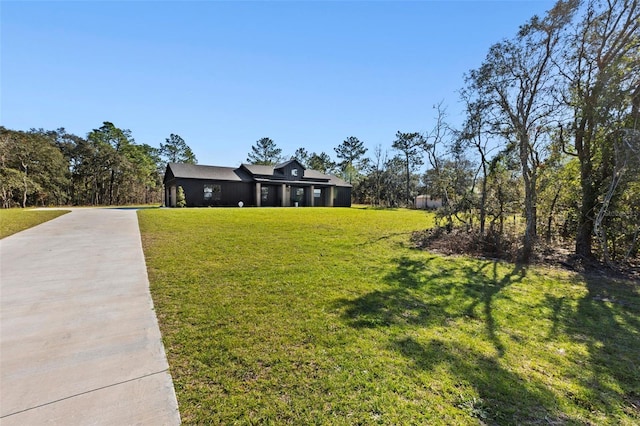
328	316
16	220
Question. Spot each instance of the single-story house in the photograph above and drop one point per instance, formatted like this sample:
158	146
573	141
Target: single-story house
283	185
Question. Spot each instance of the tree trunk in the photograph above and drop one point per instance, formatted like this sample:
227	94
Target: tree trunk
408	180
530	233
550	217
530	200
26	188
111	179
483	199
584	235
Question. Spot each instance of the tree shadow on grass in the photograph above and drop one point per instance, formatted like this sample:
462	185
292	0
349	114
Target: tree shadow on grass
486	290
427	291
431	292
607	322
396	305
503	397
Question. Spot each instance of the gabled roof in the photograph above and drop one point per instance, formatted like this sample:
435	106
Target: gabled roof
286	163
196	171
246	173
314	174
259	169
334	180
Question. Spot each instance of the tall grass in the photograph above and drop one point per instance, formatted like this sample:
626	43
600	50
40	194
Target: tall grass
328	316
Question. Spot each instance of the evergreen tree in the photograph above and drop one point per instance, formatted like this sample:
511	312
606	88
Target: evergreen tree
351	152
181	199
265	152
176	150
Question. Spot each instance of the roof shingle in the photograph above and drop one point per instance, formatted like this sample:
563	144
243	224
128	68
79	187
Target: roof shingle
196	171
246	173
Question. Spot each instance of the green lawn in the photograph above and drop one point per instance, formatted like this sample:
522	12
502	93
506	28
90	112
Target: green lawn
327	316
16	220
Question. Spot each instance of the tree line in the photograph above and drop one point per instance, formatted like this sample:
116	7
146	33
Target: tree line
107	167
551	134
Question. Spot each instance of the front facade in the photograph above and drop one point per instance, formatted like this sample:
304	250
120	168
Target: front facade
284	185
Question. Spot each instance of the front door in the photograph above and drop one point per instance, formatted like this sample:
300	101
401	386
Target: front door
269	196
298	196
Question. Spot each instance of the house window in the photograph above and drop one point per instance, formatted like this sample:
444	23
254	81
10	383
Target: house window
317	193
294	172
265	193
212	192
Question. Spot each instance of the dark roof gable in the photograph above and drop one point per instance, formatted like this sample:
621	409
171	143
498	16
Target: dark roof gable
258	169
195	171
249	173
287	163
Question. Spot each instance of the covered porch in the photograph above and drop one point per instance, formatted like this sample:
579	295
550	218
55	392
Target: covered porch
293	194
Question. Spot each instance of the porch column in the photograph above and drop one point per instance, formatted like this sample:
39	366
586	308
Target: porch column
258	194
312	196
284	195
172	197
330	192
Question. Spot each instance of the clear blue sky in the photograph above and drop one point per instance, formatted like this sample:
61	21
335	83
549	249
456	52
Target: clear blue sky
224	74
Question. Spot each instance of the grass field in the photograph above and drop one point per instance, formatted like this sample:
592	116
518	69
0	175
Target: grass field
16	220
328	316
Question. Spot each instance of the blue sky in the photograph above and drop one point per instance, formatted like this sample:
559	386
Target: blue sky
224	74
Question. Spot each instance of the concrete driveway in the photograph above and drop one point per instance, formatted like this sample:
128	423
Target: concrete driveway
79	339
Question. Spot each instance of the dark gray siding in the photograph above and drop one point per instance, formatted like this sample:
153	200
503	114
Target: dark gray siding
229	195
342	197
226	186
287	171
321	201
